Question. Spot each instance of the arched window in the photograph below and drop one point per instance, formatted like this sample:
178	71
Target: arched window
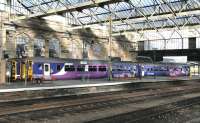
22	44
54	48
22	39
39	47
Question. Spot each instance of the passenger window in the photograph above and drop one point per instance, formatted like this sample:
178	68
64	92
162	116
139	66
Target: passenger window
119	69
81	68
39	65
30	63
69	68
46	67
92	68
103	68
58	67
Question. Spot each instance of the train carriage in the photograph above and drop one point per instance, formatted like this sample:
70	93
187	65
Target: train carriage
65	69
58	69
123	70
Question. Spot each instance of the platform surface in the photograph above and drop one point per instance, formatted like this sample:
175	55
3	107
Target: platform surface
20	86
18	91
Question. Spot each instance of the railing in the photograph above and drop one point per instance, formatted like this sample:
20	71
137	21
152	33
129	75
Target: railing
168	44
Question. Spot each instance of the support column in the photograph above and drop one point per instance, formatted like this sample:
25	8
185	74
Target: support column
47	48
2	72
2	62
109	47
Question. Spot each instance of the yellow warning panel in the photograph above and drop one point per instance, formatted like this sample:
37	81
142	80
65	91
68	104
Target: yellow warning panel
30	70
194	70
23	70
13	70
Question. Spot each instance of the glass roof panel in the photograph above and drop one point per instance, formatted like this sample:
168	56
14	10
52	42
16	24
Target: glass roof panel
120	11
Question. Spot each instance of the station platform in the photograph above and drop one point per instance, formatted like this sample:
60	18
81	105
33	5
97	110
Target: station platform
17	86
19	91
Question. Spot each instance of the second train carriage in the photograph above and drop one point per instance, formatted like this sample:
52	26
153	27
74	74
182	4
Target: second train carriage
64	69
123	69
166	69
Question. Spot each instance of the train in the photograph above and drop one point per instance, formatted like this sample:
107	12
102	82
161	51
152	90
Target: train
39	69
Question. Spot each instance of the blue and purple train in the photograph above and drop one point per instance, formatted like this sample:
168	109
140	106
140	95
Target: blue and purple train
65	69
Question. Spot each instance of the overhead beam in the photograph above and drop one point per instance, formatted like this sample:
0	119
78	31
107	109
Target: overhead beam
164	14
150	28
71	8
24	6
132	8
147	28
142	18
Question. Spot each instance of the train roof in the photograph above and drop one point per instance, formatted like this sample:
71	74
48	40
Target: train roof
193	62
171	63
61	60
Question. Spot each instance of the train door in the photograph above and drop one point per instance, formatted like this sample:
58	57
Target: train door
30	70
23	70
142	68
13	70
47	71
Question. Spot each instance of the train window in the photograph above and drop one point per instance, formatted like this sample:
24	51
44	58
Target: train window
66	67
30	63
58	67
102	68
119	69
92	68
155	69
114	69
81	68
39	66
72	68
69	68
46	67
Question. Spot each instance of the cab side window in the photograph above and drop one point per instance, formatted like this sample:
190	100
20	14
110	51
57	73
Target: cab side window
81	68
69	68
102	68
93	68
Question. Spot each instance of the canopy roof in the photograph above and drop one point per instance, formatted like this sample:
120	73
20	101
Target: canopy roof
126	15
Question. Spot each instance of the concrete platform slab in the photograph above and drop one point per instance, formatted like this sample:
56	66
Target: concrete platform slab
49	89
21	86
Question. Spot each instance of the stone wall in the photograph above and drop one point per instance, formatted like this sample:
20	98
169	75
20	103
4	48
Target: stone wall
94	42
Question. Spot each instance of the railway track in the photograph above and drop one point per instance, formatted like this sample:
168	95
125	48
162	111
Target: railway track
147	115
95	102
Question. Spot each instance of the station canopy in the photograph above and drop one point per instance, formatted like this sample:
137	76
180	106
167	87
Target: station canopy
134	15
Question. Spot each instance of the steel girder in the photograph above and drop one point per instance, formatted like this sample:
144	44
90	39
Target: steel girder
126	14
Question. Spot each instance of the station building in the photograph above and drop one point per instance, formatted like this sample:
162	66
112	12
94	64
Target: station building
152	30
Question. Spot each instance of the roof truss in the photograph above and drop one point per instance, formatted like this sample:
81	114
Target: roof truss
126	14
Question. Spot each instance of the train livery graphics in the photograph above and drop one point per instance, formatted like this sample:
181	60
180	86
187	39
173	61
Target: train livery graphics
65	69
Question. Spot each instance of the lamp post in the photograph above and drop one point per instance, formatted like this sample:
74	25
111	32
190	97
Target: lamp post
145	58
109	48
154	61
